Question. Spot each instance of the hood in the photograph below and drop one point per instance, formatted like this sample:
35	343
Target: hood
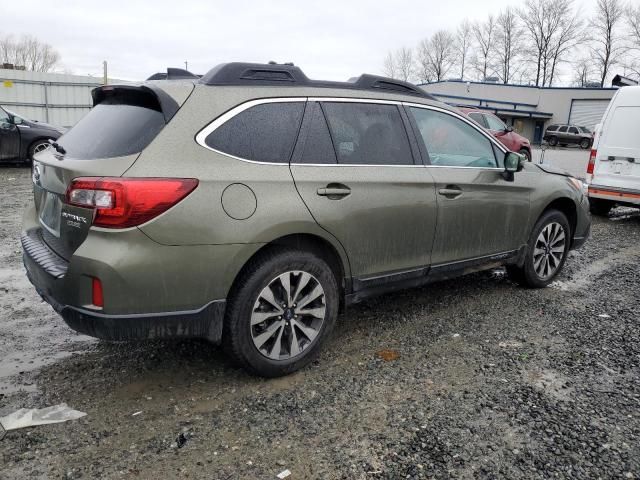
42	125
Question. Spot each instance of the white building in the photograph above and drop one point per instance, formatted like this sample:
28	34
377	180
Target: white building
54	98
528	109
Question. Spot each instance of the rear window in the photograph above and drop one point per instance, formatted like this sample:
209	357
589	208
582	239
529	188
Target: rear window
552	128
622	132
263	133
122	124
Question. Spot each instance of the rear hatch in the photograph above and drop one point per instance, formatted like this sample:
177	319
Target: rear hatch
104	143
618	151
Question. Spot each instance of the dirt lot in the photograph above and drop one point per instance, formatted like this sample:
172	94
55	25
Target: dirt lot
492	381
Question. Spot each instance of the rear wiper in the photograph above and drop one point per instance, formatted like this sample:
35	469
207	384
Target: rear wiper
58	147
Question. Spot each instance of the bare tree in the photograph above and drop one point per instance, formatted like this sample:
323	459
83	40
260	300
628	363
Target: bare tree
399	64
607	46
583	72
29	52
633	19
485	37
552	29
464	39
568	36
507	43
436	56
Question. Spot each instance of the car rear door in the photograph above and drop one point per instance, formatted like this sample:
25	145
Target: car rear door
9	137
618	152
357	170
480	213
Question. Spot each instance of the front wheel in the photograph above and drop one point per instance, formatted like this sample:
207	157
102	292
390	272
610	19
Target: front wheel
585	143
547	251
283	308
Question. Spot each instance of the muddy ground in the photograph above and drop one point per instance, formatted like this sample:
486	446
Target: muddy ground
492	381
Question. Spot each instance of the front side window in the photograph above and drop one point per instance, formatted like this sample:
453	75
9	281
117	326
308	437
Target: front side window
368	133
4	117
573	130
478	117
263	133
453	142
495	123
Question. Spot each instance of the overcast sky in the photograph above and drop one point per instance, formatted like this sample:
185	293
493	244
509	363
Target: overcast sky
330	39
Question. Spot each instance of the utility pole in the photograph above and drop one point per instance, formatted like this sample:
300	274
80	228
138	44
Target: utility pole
186	65
104	73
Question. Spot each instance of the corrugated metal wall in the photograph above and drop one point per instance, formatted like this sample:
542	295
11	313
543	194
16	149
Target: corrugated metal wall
58	99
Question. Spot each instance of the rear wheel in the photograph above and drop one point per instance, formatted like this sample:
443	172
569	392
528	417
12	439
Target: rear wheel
37	147
546	251
553	141
585	143
284	307
526	153
599	207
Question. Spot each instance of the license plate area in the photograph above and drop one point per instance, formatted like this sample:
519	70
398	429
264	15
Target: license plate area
50	210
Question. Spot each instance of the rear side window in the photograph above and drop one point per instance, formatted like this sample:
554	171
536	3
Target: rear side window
562	129
122	124
368	133
263	133
452	142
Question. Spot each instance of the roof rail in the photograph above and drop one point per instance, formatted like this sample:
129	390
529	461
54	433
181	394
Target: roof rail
174	74
263	74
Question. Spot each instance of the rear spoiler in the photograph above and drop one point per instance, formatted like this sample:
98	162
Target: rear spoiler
147	95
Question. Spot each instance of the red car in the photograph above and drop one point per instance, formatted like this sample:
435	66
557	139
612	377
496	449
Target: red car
510	139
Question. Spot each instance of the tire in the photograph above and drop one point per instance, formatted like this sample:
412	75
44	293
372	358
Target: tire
585	143
35	148
532	273
526	153
599	207
553	141
281	343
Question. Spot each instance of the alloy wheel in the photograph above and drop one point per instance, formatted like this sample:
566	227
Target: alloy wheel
40	147
288	315
549	250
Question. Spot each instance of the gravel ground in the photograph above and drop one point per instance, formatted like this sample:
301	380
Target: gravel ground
490	381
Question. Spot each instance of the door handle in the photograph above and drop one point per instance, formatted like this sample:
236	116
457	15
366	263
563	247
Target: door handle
451	191
334	192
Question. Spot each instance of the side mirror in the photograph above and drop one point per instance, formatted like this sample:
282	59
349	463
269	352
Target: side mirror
16	120
508	129
512	164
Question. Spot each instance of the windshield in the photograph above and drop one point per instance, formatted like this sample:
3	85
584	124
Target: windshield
13	114
114	128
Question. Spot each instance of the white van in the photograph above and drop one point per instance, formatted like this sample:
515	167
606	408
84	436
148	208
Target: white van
613	173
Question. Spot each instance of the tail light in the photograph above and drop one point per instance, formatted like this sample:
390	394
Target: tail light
127	202
592	161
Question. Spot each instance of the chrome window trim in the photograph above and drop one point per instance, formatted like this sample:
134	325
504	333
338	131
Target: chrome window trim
229	114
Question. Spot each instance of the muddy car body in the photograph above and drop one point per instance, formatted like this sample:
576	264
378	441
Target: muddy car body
249	206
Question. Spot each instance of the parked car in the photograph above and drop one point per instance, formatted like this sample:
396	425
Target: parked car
568	135
613	172
21	139
510	139
249	206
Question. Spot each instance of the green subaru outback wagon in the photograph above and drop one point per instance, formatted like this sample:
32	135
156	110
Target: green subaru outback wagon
251	205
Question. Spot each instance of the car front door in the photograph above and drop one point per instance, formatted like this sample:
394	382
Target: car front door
359	173
481	213
573	135
9	137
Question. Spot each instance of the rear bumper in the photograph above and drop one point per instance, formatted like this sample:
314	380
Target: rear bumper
625	196
205	322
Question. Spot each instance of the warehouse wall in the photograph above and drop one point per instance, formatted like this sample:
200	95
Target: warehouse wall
58	99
